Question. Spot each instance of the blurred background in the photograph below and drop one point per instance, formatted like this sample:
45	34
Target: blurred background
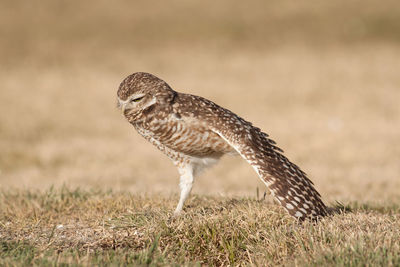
321	77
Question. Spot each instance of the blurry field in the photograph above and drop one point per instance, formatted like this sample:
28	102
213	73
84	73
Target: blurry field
322	78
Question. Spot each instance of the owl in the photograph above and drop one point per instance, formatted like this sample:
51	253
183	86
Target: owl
195	133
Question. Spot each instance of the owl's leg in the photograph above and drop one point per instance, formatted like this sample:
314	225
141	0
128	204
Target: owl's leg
186	183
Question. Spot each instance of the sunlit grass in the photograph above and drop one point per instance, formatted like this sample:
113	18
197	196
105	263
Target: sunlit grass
94	227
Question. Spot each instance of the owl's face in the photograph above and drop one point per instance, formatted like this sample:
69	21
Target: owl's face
140	92
136	102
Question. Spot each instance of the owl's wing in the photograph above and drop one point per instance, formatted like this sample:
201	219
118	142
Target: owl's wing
287	182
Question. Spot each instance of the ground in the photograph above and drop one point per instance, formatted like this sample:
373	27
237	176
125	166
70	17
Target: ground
93	228
79	186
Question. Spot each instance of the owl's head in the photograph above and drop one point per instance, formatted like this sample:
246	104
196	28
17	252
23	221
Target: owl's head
141	91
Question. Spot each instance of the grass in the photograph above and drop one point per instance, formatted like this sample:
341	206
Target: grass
78	227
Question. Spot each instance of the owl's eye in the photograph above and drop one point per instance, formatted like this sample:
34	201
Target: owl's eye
137	99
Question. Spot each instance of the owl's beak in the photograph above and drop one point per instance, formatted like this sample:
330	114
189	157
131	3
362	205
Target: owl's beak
121	105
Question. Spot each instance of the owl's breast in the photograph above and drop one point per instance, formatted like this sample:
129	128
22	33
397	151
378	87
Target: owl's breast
188	136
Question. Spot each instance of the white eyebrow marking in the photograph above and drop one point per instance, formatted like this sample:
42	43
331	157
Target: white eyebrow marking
121	102
135	96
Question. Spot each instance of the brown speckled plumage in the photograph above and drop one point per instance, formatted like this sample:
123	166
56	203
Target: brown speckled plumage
195	132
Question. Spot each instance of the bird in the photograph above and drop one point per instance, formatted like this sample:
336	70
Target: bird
195	133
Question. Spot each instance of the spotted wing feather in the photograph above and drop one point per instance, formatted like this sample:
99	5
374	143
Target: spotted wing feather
286	181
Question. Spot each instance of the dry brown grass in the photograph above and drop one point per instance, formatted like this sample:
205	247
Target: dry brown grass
91	228
321	78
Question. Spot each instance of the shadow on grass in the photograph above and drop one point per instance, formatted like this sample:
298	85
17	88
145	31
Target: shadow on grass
357	207
26	254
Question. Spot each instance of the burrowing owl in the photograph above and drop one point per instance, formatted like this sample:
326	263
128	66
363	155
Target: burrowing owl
195	133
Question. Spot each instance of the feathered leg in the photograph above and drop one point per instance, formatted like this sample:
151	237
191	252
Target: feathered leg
185	184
